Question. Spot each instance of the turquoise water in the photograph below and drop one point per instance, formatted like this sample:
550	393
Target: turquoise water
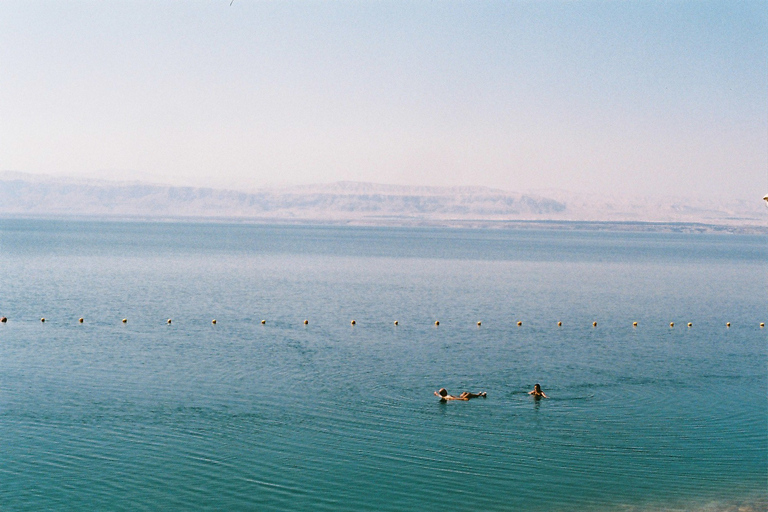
329	416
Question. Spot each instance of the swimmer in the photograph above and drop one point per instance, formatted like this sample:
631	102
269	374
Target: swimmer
537	392
444	396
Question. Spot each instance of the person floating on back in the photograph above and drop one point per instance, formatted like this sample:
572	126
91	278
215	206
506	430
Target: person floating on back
444	396
537	392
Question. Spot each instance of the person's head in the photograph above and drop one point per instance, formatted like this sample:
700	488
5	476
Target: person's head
442	392
537	388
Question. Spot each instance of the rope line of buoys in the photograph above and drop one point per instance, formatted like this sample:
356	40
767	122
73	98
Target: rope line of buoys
353	322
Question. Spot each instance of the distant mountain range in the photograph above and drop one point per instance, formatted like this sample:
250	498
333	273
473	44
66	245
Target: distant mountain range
27	195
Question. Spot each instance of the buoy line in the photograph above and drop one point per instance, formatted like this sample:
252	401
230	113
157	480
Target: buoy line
479	323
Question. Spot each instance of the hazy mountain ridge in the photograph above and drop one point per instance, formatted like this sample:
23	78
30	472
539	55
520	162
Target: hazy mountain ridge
359	203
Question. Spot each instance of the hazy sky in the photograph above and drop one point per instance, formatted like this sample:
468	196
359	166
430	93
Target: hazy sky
611	97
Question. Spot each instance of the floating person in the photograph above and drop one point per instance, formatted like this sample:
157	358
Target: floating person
537	392
444	396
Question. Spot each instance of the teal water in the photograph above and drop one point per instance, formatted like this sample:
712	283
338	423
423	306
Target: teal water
329	416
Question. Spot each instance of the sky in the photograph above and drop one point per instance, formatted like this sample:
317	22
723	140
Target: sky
615	97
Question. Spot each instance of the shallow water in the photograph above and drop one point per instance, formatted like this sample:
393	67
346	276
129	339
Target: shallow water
330	416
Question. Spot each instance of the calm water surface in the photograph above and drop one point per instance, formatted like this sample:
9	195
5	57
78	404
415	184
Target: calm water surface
328	416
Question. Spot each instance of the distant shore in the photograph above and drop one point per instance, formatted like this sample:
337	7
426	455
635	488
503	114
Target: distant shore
371	204
412	222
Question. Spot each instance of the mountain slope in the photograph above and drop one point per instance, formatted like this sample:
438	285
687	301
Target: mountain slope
350	202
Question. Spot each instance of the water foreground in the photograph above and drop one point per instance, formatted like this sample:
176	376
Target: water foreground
330	416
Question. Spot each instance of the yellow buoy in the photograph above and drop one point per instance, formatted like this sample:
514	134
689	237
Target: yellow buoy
728	324
671	324
80	320
213	321
125	320
762	324
263	322
169	320
634	324
42	319
559	324
397	323
519	323
306	322
479	324
353	322
690	324
594	324
437	322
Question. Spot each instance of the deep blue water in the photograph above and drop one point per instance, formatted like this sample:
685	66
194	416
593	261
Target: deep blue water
329	416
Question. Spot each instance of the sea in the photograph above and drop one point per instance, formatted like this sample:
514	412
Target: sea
284	404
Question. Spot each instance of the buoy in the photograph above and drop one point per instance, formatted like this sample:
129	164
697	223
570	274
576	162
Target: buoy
761	323
263	322
306	322
479	324
634	324
125	320
519	323
671	324
559	324
213	321
397	323
169	321
42	319
437	322
80	319
3	319
690	324
353	322
728	324
594	324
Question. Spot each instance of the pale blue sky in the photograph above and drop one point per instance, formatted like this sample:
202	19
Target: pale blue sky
610	97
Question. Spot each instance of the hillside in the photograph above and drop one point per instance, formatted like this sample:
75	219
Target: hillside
363	203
